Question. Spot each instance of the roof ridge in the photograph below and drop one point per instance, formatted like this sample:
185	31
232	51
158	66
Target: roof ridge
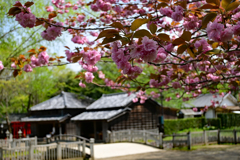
113	94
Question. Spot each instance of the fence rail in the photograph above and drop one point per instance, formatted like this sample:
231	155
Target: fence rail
53	151
12	143
175	140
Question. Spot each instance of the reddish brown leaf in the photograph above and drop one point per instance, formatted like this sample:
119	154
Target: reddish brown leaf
108	33
31	54
209	6
178	41
22	56
86	49
39	22
13	11
42	48
51	59
28	4
52	15
32	51
61	57
67	47
164	37
15	72
117	25
13	59
76	59
18	4
186	35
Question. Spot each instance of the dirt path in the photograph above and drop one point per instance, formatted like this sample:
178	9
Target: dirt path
212	152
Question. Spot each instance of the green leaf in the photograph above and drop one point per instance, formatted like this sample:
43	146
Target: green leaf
141	33
117	25
225	3
137	23
181	49
164	37
209	17
232	6
153	28
186	35
108	33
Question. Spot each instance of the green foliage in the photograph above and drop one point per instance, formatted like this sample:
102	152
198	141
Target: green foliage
214	122
229	120
174	126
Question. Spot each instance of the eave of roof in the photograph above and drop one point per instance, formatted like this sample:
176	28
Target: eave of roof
100	115
46	118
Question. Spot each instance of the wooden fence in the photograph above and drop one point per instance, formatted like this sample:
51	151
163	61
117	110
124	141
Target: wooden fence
12	143
175	140
150	138
53	151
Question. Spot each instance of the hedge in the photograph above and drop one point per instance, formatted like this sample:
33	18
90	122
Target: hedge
175	125
229	120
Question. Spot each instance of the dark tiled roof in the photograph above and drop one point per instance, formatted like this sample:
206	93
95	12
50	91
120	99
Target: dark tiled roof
114	100
13	117
63	100
205	100
46	118
99	115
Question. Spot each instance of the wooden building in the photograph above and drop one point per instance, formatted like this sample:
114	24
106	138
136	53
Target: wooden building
53	116
116	112
222	104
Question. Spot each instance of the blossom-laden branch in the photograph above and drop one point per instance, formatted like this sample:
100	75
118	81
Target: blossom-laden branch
191	45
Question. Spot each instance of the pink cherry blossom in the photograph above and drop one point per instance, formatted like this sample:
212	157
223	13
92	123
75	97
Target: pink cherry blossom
92	57
50	8
195	109
202	43
43	58
89	77
101	75
79	39
135	100
166	11
13	65
1	66
80	18
176	85
177	16
82	84
26	19
136	50
214	31
94	7
27	68
226	35
149	44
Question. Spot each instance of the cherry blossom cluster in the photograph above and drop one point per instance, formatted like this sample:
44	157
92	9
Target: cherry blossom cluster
52	32
42	59
25	18
188	47
1	66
